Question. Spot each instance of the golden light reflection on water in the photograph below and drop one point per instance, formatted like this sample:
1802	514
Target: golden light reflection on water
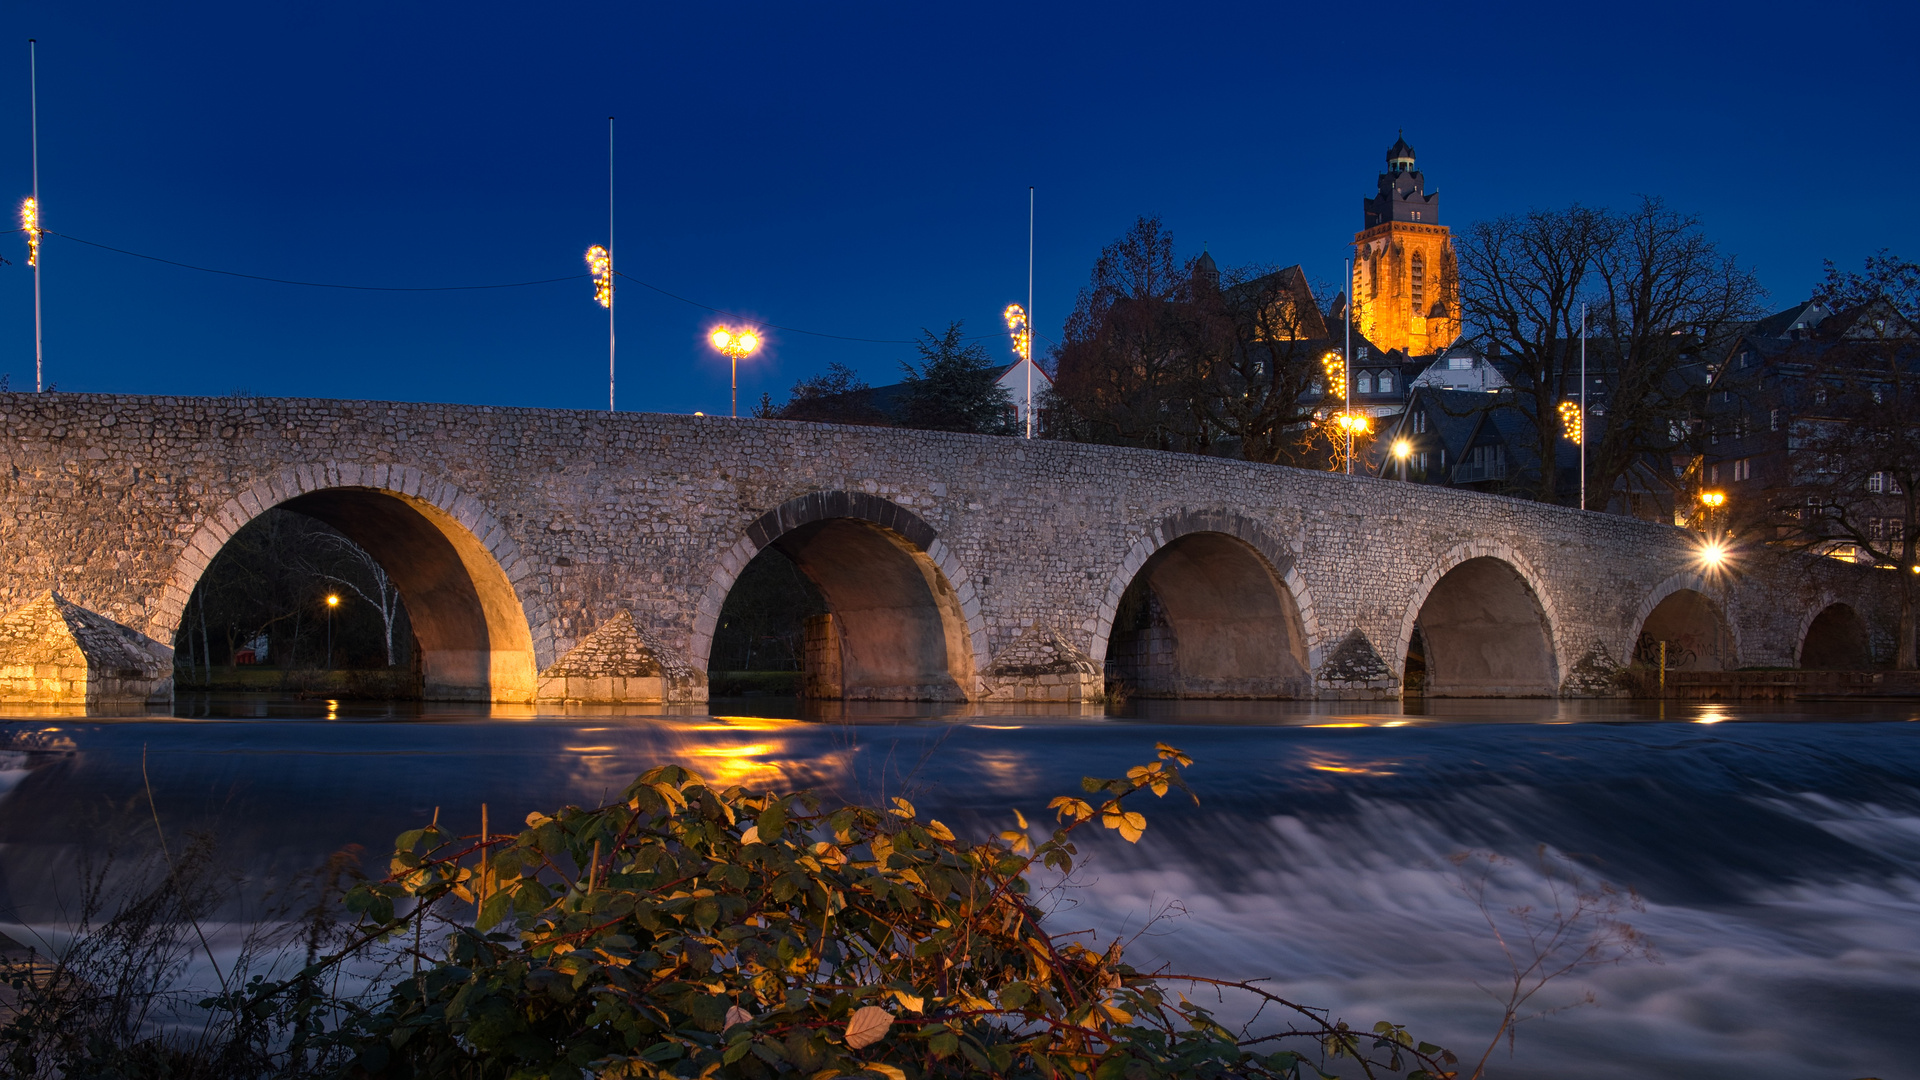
1710	714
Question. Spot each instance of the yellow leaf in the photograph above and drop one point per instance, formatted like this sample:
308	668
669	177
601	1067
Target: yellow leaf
889	1071
751	836
1119	1015
939	831
1132	825
1021	818
905	808
908	1001
867	1026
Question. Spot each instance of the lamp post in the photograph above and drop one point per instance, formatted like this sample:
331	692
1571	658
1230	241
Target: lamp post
333	601
735	343
1402	450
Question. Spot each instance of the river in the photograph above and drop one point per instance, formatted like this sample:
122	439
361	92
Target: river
1776	850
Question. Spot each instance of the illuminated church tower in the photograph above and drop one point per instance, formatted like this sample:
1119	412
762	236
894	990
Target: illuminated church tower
1405	283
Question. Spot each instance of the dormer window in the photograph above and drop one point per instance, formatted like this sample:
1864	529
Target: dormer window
1386	382
1364	384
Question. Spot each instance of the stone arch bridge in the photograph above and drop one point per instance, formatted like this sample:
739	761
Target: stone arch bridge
550	555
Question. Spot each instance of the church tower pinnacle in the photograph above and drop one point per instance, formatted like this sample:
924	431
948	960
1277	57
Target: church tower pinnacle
1405	288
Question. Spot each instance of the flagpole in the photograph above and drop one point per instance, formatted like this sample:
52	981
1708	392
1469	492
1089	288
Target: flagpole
33	82
1029	311
610	289
1583	406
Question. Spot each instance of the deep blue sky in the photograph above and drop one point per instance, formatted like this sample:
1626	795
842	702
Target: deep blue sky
858	171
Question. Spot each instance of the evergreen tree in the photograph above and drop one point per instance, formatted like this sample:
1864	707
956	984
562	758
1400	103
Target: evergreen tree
955	388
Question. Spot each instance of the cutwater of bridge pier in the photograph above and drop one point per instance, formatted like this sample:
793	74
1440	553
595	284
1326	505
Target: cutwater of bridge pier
550	555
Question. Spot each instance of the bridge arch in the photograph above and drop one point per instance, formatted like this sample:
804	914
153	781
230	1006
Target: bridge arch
1835	637
1487	627
905	616
1225	612
1684	612
465	584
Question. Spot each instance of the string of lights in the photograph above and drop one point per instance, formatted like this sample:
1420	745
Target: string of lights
596	274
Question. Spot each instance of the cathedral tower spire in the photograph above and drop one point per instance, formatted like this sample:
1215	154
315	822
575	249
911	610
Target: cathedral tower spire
1406	295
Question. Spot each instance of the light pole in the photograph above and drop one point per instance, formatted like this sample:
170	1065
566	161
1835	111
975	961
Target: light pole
735	343
1402	450
333	601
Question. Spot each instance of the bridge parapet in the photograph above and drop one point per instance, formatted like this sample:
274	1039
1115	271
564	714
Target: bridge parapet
563	555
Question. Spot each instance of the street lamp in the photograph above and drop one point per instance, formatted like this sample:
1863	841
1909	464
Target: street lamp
735	343
1402	449
333	601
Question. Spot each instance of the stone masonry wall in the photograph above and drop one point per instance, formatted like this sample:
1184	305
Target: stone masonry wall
117	502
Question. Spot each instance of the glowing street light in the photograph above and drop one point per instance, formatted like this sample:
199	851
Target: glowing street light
735	343
333	601
1712	554
1402	450
1713	500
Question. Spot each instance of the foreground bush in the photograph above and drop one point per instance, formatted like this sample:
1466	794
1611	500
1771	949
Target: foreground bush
692	932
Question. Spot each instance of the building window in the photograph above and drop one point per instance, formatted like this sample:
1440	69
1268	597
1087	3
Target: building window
1881	483
1419	423
1713	474
1820	395
1364	384
1773	420
1459	363
1743	470
1419	282
1386	382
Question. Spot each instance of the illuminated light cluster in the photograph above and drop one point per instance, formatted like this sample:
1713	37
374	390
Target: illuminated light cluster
601	264
30	224
1336	369
1713	500
1713	554
1402	449
1570	419
1353	423
1016	317
735	343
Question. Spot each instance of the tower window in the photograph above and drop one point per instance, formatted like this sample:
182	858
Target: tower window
1419	283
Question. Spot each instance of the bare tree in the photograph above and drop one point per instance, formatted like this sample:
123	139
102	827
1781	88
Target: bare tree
1522	282
1657	293
348	565
1663	297
1854	408
1260	338
1126	372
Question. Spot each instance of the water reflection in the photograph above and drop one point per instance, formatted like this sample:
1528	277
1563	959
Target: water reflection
1775	843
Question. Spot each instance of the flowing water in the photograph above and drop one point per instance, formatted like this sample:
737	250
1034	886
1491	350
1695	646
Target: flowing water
1776	849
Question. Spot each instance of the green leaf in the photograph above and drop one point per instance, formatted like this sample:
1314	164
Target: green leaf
496	908
772	822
